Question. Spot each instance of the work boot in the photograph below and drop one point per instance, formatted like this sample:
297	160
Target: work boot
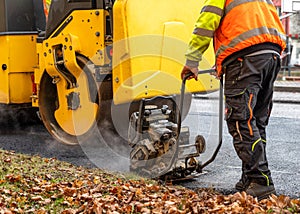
260	191
242	184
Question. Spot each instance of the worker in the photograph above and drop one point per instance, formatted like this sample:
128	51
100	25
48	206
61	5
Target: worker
248	40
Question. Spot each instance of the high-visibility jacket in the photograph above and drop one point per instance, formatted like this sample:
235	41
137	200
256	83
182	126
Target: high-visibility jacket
234	26
46	7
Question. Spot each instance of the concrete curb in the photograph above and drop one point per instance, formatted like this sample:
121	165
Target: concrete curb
287	89
287	86
284	92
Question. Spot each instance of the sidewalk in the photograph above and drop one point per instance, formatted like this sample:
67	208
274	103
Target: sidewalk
286	91
287	86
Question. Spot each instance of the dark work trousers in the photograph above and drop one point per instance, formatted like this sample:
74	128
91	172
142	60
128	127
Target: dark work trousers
248	95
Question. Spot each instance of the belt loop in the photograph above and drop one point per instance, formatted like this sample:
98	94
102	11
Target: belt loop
276	56
224	69
241	60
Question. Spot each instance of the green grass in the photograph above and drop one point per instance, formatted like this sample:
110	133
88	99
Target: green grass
31	184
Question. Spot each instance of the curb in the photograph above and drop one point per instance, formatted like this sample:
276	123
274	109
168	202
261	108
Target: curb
287	101
287	86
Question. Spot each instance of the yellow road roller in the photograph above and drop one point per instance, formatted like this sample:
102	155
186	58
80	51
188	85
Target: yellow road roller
95	60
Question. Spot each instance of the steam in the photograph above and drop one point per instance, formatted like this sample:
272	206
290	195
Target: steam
106	150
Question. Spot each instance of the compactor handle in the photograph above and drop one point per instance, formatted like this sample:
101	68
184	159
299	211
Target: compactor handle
220	112
207	71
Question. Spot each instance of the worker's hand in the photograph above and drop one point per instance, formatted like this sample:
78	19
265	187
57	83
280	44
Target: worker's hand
187	70
215	73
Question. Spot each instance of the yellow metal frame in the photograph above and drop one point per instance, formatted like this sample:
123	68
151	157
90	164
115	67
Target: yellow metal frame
89	27
149	47
88	41
17	53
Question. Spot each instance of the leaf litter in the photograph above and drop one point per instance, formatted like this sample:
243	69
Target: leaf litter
32	184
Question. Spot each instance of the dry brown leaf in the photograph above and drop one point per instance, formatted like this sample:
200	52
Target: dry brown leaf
145	210
68	211
70	191
129	198
36	198
13	178
7	160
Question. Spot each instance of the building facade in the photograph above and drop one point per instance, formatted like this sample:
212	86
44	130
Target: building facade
291	24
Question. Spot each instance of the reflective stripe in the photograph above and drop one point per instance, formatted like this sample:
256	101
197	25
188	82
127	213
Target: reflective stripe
213	9
233	4
251	115
249	34
263	52
268	181
238	130
46	8
263	140
254	144
204	32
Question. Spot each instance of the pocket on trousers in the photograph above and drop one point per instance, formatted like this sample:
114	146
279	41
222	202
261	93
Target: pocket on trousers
236	105
232	73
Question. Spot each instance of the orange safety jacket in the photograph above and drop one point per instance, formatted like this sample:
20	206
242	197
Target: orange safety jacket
46	7
234	26
247	23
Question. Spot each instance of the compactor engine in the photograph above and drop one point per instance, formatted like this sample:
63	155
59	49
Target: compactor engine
159	148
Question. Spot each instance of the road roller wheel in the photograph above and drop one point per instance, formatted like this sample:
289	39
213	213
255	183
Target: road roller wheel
70	115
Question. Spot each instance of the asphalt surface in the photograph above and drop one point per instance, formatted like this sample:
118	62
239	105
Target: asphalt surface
283	146
112	154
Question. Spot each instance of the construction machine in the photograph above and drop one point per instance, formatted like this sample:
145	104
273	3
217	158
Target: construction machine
18	32
95	60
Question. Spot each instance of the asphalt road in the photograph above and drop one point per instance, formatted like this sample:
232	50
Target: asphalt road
112	154
283	148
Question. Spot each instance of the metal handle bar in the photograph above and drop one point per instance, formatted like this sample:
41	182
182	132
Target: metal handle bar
220	113
207	71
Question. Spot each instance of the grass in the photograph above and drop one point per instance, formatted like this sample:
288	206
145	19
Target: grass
32	184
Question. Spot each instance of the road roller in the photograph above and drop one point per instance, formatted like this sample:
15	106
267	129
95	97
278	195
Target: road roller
90	61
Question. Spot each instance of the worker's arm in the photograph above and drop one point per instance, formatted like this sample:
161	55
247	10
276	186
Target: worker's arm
207	23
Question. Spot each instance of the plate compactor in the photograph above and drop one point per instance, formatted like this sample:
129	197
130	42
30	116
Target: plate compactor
161	146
